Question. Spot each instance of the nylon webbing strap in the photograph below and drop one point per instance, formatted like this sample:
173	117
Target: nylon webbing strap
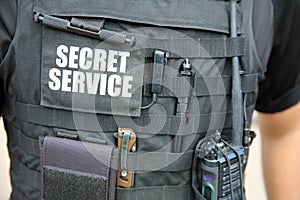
27	144
155	161
157	192
161	161
18	169
178	47
199	47
198	124
58	118
102	123
33	177
194	14
208	86
166	192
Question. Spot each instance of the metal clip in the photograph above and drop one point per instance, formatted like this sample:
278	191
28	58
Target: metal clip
184	104
186	69
126	143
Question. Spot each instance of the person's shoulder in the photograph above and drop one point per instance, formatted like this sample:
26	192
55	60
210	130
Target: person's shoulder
281	88
8	19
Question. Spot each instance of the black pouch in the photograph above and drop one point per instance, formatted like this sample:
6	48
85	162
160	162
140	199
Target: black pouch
76	170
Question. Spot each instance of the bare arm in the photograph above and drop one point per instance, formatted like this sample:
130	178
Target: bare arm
281	153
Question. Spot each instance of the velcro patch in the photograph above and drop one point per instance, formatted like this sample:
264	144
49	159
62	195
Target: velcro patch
62	184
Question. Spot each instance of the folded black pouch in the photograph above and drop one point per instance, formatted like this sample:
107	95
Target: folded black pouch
76	170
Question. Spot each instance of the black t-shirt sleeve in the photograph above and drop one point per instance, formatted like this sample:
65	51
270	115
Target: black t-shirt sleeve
281	88
8	16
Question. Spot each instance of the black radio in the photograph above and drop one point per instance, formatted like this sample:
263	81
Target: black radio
220	170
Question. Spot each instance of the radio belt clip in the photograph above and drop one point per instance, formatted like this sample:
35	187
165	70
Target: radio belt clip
126	143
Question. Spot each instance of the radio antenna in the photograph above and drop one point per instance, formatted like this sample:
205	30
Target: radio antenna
237	110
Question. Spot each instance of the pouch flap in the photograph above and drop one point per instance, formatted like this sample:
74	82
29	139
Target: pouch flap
77	163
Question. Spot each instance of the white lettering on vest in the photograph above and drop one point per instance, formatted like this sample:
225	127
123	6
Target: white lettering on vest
55	83
73	57
113	81
92	82
124	56
127	85
65	86
103	84
85	58
100	56
85	72
62	60
112	61
78	82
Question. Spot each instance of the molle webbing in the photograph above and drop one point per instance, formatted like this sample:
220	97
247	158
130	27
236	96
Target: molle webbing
179	47
184	192
199	47
140	161
180	87
27	144
65	119
32	178
88	122
34	114
167	192
193	15
156	192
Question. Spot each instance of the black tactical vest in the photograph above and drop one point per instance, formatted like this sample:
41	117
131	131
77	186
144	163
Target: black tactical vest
162	70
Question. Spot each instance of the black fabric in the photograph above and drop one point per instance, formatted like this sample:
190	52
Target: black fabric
166	192
17	194
8	16
22	81
192	14
18	169
281	88
208	48
28	144
61	118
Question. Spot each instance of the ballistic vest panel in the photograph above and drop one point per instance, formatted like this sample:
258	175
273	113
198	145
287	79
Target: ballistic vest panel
41	102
